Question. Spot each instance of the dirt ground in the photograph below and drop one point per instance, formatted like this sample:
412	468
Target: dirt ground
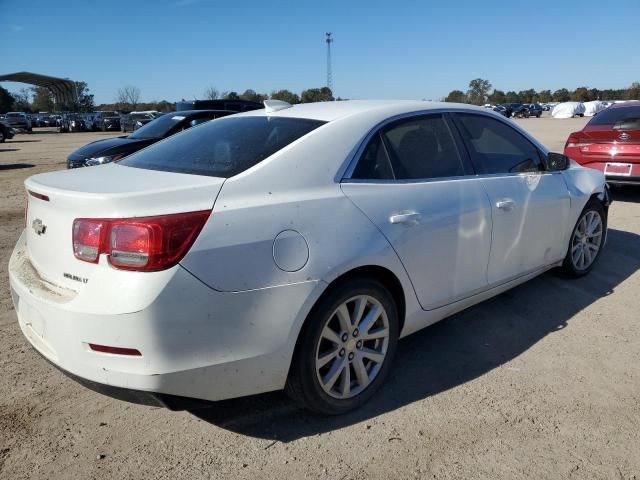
540	382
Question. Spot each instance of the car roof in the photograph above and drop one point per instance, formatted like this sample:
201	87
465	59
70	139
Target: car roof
329	111
629	103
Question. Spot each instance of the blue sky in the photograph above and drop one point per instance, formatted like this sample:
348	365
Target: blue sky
174	49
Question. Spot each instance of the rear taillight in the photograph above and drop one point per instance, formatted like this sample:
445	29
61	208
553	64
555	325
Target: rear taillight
574	140
141	244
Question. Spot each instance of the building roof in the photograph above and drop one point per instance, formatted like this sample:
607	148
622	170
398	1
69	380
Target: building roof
63	89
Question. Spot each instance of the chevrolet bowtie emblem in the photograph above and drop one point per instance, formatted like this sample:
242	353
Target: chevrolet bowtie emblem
38	227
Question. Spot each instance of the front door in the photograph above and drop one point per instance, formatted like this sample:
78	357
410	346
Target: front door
530	207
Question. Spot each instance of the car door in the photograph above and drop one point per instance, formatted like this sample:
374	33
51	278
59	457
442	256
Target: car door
411	181
530	206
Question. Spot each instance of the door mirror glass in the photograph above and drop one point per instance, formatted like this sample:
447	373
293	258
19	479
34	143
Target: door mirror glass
556	162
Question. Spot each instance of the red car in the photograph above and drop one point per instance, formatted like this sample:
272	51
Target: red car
610	142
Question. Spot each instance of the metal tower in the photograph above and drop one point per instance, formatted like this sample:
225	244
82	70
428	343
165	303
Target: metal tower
329	41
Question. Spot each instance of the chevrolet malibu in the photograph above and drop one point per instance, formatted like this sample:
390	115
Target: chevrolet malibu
291	247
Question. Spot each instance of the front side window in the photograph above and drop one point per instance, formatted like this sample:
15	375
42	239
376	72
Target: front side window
222	148
495	147
411	149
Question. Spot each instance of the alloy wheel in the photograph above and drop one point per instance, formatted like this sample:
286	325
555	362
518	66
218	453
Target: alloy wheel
587	239
353	346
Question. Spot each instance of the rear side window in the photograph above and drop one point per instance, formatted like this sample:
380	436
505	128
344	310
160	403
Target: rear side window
412	149
422	147
495	147
621	118
222	148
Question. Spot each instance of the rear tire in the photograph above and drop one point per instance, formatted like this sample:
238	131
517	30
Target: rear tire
341	359
587	240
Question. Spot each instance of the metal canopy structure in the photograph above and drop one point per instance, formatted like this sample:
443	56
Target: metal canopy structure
63	89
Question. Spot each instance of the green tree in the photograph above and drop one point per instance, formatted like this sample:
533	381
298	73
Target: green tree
528	96
6	100
456	96
580	94
497	97
252	96
323	94
512	97
544	96
633	92
478	91
42	100
561	95
231	96
286	96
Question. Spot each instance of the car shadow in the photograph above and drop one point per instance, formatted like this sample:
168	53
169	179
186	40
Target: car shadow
23	141
449	353
14	166
9	150
626	193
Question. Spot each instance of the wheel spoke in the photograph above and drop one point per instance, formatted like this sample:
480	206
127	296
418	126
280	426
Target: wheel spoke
345	382
370	319
327	357
375	334
358	310
372	355
361	372
330	378
330	335
344	318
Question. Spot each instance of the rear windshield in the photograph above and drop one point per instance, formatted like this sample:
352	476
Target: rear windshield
224	147
623	118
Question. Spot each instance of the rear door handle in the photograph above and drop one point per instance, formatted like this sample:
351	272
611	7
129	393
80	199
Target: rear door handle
405	217
505	204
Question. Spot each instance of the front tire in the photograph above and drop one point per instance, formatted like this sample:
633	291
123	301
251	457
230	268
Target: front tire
346	348
587	240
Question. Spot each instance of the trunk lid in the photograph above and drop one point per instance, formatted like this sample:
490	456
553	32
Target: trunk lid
608	142
108	191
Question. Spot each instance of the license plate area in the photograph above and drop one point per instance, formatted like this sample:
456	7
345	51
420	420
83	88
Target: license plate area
617	169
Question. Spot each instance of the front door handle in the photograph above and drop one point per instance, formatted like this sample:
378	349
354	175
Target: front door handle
505	204
405	217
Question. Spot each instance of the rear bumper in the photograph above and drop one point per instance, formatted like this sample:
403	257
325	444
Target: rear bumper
195	342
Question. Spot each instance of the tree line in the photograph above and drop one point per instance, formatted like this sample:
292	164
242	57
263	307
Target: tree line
127	98
479	93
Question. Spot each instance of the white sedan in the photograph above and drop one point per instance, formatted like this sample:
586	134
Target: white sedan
291	247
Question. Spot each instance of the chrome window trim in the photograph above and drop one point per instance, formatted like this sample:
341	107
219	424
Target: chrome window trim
353	158
445	179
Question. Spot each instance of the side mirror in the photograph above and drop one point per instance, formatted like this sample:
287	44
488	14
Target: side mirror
556	162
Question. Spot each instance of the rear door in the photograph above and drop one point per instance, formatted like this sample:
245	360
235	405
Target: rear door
530	206
412	182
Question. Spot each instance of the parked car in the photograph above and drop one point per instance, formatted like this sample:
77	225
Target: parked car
535	109
72	122
219	104
6	132
133	121
568	110
106	121
507	109
610	143
291	247
18	121
110	149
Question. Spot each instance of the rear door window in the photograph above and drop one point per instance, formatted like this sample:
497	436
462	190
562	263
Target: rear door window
224	147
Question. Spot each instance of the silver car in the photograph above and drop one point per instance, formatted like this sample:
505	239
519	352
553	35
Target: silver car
291	247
